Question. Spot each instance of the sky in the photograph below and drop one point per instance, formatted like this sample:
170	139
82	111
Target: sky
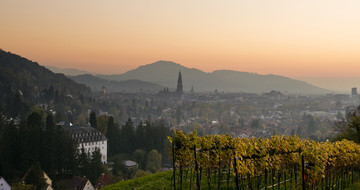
316	41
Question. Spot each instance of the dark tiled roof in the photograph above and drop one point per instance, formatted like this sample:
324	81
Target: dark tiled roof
78	182
84	134
104	179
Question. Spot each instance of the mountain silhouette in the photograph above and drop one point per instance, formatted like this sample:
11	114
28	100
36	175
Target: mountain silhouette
165	73
96	84
66	71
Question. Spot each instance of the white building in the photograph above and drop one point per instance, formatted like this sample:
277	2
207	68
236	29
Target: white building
4	185
89	138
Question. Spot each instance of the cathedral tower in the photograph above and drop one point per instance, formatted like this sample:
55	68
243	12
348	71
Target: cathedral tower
179	88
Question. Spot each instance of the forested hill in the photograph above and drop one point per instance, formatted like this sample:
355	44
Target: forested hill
96	84
35	82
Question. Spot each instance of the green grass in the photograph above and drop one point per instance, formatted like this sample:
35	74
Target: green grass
161	180
355	186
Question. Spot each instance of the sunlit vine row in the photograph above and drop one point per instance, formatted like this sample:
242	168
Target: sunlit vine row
256	155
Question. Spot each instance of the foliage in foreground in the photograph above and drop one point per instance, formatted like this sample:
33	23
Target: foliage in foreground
255	156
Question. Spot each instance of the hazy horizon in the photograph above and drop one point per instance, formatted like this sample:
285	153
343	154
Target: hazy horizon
340	85
315	41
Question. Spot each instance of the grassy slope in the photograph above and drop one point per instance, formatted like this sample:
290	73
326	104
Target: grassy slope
161	180
354	186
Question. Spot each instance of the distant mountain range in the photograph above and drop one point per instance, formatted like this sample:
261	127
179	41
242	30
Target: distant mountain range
96	84
67	71
165	73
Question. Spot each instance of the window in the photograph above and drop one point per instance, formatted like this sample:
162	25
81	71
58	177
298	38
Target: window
103	142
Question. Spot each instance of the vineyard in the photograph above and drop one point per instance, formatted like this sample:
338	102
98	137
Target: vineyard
224	162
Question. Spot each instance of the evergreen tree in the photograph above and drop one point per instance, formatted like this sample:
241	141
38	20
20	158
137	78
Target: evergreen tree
128	137
35	177
118	166
95	165
311	124
140	135
92	120
113	136
34	120
49	147
140	158
9	149
17	107
149	136
49	122
102	122
84	162
31	138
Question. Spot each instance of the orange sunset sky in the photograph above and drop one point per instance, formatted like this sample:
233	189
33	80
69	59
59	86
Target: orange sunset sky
314	40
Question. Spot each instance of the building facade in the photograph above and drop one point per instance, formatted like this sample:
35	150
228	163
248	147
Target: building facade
4	185
354	92
81	183
89	138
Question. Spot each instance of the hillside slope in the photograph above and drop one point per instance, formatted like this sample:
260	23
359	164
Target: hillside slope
96	84
161	180
67	71
36	83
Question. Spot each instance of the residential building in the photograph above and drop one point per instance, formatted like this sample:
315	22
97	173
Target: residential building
89	138
80	183
129	164
4	185
104	180
354	92
48	181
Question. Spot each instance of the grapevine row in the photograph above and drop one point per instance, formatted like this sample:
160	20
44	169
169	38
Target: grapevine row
253	157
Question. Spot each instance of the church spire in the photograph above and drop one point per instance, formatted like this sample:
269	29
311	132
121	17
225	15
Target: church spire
179	88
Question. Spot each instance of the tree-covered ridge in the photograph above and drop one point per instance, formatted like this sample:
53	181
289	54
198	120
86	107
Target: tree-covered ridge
97	84
35	82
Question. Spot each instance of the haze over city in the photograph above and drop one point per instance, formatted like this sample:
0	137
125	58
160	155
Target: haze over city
312	41
205	94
